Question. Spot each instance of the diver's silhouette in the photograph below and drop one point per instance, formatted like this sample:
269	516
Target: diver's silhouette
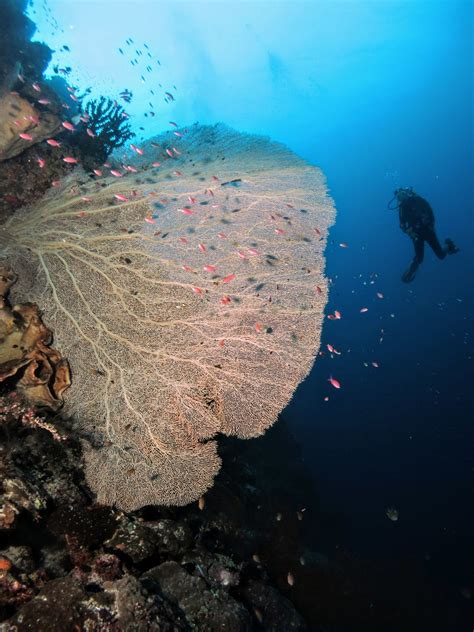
417	221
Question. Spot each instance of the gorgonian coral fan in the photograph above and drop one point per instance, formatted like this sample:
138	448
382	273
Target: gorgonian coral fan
184	299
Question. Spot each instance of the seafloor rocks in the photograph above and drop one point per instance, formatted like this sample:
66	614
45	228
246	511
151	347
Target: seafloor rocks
18	116
204	608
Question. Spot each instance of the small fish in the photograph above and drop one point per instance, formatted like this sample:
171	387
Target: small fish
173	124
319	290
197	290
209	268
375	365
170	153
107	164
343	245
290	579
187	268
121	197
41	162
334	382
25	136
36	87
177	173
222	235
178	134
392	513
44	101
225	300
279	231
90	132
192	200
241	254
253	252
156	164
97	172
150	220
379	295
70	160
259	329
202	247
201	503
228	278
116	173
330	348
363	310
183	240
68	125
186	211
317	231
337	314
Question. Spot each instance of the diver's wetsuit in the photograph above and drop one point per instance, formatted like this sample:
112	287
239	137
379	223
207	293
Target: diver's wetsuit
417	221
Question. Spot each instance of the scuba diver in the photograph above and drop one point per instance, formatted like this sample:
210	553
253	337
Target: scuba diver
417	221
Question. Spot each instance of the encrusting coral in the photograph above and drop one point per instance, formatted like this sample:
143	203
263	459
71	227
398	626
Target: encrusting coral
184	298
24	347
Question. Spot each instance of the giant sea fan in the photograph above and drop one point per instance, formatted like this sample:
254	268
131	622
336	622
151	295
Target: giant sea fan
166	355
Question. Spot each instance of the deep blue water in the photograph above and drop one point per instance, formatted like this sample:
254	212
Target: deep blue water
379	95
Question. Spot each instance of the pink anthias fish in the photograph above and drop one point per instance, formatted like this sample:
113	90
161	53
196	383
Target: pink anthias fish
279	231
156	164
122	198
68	125
116	173
170	153
202	247
150	220
343	245
25	136
41	162
70	160
97	172
197	290
53	142
90	132
228	278
186	211
225	300
334	382
136	149
379	295
44	101
209	268
36	87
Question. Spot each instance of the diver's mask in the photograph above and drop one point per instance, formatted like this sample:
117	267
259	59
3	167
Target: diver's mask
400	194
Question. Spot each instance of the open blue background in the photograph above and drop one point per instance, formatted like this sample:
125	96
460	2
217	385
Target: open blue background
379	95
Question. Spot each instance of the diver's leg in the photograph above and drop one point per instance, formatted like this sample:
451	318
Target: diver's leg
419	244
436	247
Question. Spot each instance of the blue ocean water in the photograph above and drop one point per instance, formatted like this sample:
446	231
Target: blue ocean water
379	95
